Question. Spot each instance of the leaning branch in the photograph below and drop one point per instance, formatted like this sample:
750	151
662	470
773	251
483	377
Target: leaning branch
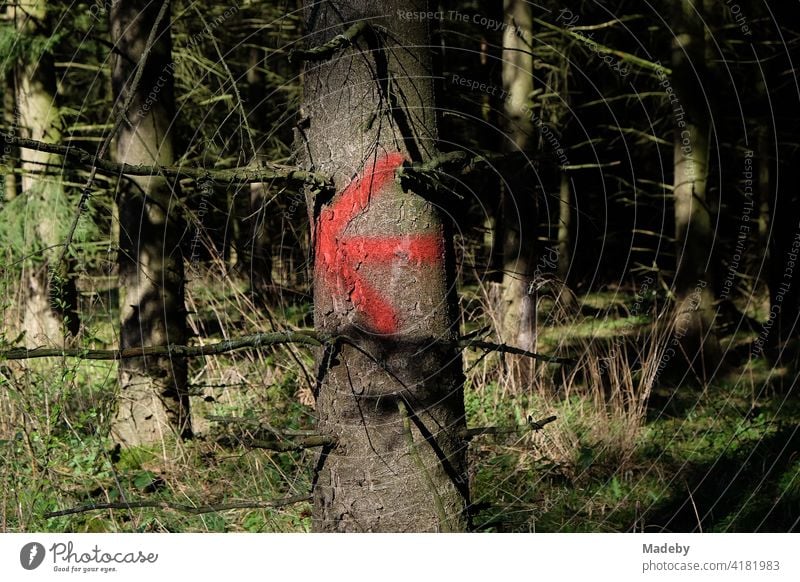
173	351
337	43
258	340
280	446
238	422
504	349
248	175
263	436
533	425
190	509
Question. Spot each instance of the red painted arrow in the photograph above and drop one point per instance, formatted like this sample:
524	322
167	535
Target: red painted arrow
338	256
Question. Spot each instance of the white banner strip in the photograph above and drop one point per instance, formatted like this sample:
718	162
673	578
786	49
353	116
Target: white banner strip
390	557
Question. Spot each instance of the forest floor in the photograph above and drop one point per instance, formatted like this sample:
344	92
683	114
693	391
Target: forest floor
634	448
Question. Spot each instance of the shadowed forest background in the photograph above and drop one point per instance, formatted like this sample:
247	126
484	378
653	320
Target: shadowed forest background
598	205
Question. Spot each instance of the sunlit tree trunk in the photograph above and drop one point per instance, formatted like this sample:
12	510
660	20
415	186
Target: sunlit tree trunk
390	394
50	314
153	403
11	124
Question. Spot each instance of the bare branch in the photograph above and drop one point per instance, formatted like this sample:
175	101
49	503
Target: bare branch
504	349
179	351
281	446
238	420
246	175
532	425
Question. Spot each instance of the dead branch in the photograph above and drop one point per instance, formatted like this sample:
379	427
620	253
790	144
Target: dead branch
504	349
281	446
246	175
259	424
532	425
249	341
258	340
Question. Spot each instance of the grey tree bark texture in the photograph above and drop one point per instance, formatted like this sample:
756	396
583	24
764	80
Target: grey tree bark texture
389	392
153	403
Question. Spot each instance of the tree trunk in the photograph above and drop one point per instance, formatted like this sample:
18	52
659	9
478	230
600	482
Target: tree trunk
693	285
153	401
254	247
391	392
50	293
11	123
518	206
564	226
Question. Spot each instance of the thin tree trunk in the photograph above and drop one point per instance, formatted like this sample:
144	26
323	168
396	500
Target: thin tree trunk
564	226
153	403
11	122
254	247
390	395
693	285
518	206
50	293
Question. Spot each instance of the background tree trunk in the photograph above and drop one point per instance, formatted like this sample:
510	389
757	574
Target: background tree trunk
693	285
11	124
50	314
153	401
518	206
254	248
564	225
390	395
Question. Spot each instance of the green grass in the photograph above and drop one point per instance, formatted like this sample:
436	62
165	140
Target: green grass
719	458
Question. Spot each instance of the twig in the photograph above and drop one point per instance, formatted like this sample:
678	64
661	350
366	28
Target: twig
249	341
258	340
471	433
244	175
594	45
191	509
337	43
259	424
281	446
504	349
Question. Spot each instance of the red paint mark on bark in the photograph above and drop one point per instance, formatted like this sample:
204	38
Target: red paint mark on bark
339	256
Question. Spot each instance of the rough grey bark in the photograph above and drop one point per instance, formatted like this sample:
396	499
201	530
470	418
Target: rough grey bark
153	403
518	206
50	315
693	284
389	394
